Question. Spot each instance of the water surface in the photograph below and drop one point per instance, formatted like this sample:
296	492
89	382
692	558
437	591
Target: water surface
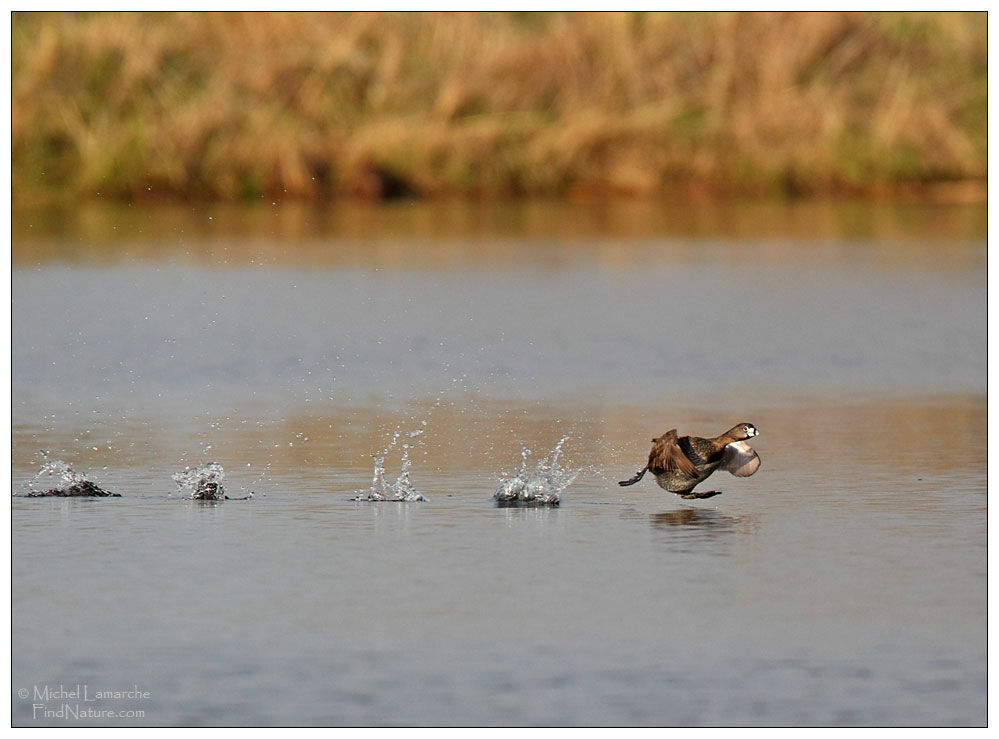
844	583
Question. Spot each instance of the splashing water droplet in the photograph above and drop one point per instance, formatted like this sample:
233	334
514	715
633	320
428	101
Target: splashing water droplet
201	483
56	478
56	475
400	490
543	486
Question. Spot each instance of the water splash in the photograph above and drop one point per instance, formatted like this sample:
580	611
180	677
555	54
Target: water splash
201	483
56	478
400	490
542	486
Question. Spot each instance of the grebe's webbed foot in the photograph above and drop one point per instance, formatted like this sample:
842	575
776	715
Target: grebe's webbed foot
703	494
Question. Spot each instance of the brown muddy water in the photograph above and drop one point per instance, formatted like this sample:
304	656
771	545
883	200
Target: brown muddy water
843	584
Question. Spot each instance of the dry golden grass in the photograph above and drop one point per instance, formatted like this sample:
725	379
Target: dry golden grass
235	106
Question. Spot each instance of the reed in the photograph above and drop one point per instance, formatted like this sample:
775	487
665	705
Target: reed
234	106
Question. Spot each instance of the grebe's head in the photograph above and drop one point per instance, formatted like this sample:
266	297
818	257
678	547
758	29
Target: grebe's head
744	431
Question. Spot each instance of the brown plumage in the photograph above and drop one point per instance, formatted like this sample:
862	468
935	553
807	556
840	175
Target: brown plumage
680	463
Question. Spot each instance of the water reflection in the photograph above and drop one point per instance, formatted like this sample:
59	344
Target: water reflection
507	235
701	529
524	503
515	515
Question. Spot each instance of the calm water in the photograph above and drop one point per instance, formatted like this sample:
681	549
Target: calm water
843	584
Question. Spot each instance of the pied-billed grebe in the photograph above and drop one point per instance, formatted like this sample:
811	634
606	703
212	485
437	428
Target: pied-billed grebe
680	463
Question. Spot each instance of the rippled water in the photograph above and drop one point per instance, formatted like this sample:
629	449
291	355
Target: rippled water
844	583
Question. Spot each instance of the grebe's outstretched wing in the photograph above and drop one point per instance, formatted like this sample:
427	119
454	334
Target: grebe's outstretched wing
667	456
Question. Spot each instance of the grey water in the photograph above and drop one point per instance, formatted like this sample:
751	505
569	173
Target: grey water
843	584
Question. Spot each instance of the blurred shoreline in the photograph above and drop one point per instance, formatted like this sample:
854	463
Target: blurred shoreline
695	107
